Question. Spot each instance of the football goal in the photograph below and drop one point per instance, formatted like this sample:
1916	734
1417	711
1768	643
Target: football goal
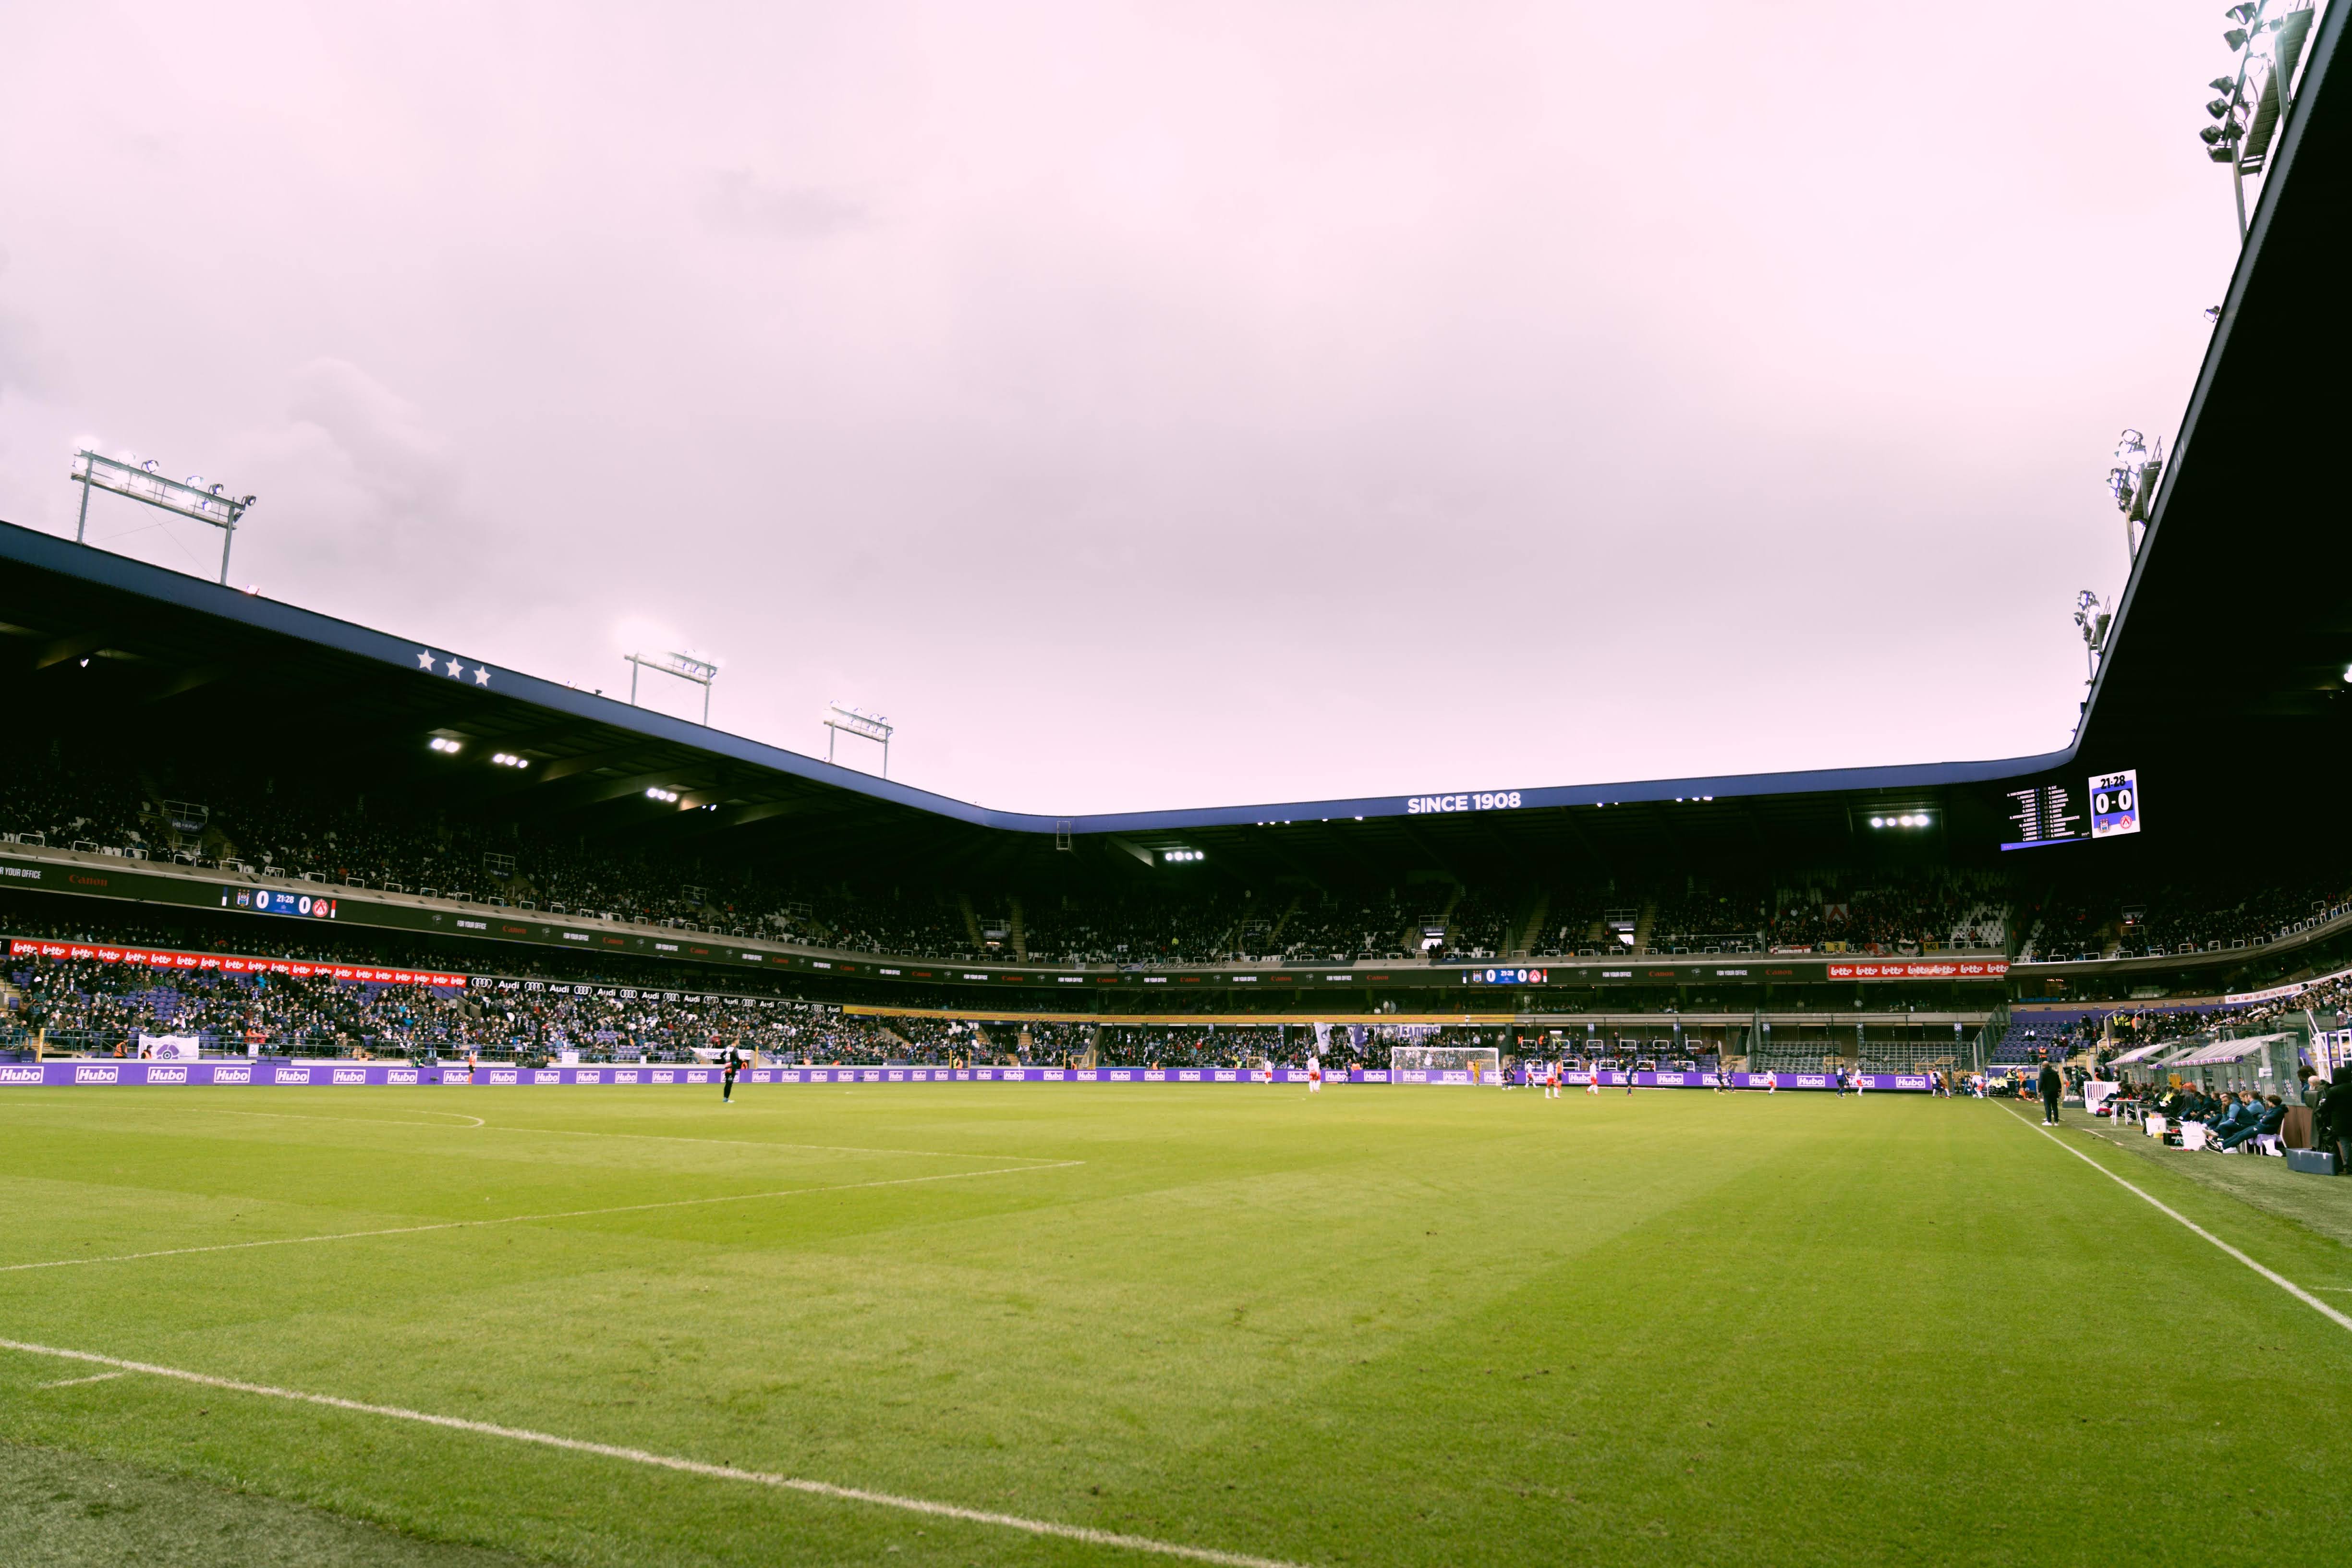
1463	1064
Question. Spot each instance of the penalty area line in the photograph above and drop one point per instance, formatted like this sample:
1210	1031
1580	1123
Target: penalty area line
1043	1527
529	1218
2276	1277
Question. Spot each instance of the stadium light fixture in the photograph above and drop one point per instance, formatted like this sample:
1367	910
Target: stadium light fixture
2132	481
2091	619
2253	99
684	666
509	759
446	746
841	719
144	483
655	792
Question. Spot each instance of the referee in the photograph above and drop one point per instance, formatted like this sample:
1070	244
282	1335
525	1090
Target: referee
2051	1085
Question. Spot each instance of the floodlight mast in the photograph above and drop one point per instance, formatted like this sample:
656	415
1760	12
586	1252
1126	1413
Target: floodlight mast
2248	112
2092	620
684	666
2139	467
140	483
842	719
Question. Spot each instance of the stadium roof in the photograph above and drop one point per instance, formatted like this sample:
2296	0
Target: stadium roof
2233	625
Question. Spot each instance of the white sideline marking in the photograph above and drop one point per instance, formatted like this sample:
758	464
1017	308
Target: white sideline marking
671	1462
524	1218
2281	1280
77	1382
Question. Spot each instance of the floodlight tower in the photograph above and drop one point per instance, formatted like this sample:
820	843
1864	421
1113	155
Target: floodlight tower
684	666
144	483
843	720
2246	116
2132	481
2091	619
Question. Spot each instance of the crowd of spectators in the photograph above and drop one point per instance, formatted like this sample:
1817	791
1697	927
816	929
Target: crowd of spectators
1909	915
1479	927
1204	927
383	841
2186	918
90	1007
1571	922
1700	919
2070	923
1340	928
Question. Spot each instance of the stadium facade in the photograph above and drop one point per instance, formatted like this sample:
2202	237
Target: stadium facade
197	770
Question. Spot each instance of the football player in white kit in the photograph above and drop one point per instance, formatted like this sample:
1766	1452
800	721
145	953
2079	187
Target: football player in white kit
1314	1075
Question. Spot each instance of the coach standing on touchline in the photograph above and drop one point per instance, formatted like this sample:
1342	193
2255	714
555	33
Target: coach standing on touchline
2051	1086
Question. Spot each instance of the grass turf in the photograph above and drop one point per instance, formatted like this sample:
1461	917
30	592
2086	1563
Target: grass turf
1376	1326
62	1510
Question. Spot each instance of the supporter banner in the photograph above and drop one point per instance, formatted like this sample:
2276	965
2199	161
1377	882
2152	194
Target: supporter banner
2280	992
280	1073
227	963
170	1047
1922	969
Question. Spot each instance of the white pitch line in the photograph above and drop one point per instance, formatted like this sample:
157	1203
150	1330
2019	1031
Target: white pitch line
2281	1280
758	1143
525	1218
77	1382
305	1116
576	1132
1079	1533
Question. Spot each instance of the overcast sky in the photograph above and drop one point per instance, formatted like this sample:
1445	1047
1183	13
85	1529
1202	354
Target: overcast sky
1148	406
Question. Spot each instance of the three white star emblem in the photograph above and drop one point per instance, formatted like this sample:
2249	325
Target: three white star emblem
454	667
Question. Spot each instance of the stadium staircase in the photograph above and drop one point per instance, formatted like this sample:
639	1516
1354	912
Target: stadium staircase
1530	928
1643	923
1445	916
970	924
1016	933
1274	937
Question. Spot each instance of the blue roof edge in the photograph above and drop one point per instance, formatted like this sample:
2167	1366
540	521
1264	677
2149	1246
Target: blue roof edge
46	551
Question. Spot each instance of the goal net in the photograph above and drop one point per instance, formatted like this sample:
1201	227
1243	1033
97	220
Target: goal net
1467	1065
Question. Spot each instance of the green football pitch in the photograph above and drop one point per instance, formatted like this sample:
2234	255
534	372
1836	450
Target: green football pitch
969	1324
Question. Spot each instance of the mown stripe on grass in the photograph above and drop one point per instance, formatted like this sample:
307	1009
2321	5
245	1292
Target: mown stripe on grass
527	1218
1046	1527
2281	1280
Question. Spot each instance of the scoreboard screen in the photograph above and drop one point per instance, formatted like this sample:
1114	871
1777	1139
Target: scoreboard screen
2046	813
2114	804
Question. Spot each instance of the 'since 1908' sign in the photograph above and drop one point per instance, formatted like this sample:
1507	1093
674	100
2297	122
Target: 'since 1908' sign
1500	800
